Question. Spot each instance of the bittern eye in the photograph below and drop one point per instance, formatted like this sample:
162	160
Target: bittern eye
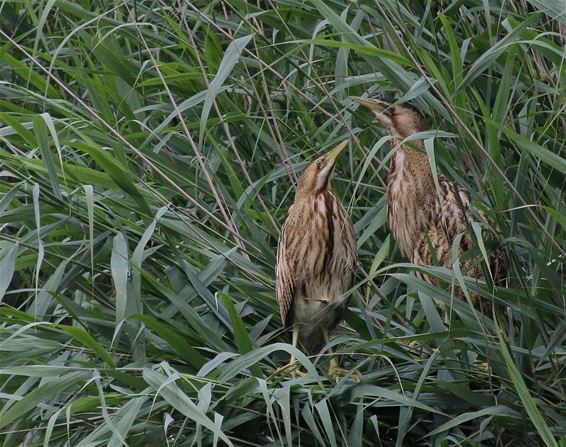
319	163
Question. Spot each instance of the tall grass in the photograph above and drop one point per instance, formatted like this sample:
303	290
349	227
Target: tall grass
148	155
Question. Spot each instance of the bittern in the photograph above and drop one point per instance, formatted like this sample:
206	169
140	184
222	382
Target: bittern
425	221
316	255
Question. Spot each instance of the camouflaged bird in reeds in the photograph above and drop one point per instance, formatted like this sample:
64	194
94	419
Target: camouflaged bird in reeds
425	220
316	255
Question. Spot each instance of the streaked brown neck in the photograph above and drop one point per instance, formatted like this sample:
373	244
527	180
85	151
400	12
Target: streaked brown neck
301	196
410	187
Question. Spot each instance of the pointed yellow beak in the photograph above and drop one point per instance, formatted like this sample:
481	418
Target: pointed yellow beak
375	105
335	153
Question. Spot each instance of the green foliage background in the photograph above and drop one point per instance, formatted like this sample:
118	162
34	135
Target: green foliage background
148	152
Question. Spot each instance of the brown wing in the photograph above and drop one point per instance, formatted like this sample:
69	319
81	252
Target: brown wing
349	241
452	215
285	282
453	211
449	216
434	249
458	207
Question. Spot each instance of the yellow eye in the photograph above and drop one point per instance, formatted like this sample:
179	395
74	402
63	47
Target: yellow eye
319	163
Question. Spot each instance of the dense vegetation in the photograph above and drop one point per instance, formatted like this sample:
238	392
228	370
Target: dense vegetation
148	154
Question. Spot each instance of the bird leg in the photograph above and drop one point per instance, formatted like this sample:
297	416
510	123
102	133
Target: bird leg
293	365
295	371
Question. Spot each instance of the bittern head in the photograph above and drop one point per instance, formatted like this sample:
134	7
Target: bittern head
401	121
316	178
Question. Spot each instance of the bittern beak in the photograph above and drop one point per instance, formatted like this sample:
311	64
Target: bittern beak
381	109
335	153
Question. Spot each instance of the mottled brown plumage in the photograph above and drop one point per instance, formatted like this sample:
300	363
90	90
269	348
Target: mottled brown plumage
315	257
425	221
